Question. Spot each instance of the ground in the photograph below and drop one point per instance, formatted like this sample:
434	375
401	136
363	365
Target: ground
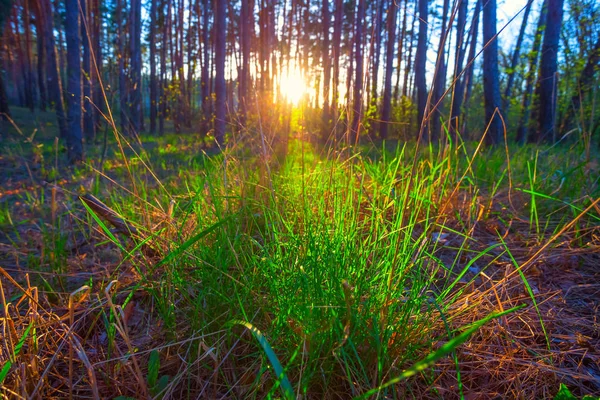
345	270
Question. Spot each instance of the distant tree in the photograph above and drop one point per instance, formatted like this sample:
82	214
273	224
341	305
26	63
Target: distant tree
389	69
358	80
469	73
89	123
459	76
533	59
336	55
491	76
120	8
153	77
420	67
245	44
74	136
54	82
514	61
135	76
41	56
326	57
5	7
439	82
220	89
585	84
547	87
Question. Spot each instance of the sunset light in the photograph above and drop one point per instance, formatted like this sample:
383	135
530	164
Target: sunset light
292	86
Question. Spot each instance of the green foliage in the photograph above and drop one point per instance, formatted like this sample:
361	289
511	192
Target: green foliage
565	394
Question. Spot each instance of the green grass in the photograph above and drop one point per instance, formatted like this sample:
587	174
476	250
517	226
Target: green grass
335	276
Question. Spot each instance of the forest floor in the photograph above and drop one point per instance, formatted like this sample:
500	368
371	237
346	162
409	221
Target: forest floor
392	273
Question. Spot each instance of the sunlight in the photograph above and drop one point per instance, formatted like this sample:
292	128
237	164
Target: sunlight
292	86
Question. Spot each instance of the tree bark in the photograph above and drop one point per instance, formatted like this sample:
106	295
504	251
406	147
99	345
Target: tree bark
491	82
548	78
515	59
135	92
53	74
358	80
389	69
220	89
458	91
153	80
89	124
420	67
72	32
530	77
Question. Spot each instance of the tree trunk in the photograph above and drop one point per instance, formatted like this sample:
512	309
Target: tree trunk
41	56
122	77
205	74
548	78
389	69
53	74
515	59
584	85
420	67
325	55
439	86
491	82
135	92
358	80
468	81
336	49
89	124
458	92
72	31
530	77
220	89
28	70
153	80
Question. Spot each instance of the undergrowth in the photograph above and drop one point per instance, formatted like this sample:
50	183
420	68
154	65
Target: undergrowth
391	272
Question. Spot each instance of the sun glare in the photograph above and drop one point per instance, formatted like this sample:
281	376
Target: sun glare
292	86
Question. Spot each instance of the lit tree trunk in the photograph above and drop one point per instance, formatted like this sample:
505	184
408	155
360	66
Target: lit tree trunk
402	37
220	89
325	55
53	75
408	64
246	33
376	48
135	91
439	86
420	67
458	92
548	79
468	80
72	31
389	69
530	77
491	83
153	79
358	81
337	38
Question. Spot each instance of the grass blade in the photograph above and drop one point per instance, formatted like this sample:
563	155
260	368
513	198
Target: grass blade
286	386
446	349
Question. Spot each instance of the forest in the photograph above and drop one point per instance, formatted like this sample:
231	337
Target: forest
300	199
